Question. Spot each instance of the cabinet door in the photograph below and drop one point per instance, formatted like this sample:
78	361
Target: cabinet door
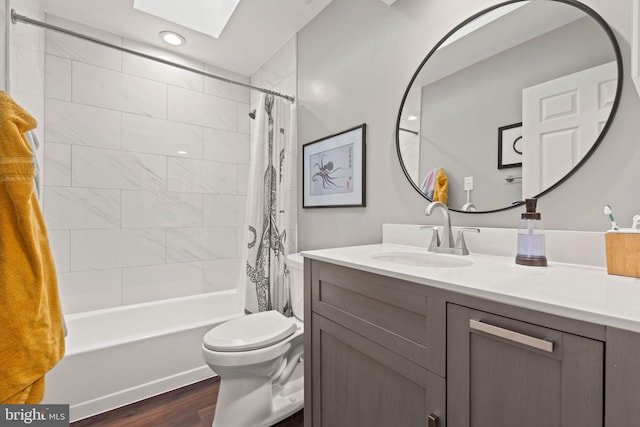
504	373
357	382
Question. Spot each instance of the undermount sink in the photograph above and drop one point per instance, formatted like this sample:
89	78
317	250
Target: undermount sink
421	259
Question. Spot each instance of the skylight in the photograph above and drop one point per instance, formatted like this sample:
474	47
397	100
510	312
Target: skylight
205	16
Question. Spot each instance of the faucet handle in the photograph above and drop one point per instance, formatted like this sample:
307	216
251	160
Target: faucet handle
461	246
435	237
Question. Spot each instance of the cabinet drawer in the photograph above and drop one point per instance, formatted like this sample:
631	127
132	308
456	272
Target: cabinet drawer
388	311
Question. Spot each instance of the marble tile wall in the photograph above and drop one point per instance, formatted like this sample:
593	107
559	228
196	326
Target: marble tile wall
3	46
146	178
26	57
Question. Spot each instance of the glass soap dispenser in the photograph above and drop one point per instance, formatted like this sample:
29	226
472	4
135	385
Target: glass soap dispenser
531	237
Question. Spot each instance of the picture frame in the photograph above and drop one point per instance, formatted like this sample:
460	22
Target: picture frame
510	146
334	170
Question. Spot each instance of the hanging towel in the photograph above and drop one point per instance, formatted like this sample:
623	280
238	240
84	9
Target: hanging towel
429	183
32	337
440	193
435	185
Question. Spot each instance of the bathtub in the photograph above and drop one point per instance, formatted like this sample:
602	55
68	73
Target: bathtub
121	355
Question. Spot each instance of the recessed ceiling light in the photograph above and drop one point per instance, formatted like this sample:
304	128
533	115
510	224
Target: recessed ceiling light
172	38
412	117
205	16
181	152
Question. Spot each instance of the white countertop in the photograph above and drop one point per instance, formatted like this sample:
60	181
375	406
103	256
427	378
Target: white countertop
577	292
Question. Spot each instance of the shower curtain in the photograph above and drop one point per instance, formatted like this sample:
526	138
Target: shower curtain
270	215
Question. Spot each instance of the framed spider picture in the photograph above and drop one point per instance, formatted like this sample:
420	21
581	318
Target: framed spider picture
333	170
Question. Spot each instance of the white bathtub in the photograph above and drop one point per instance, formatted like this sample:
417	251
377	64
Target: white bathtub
125	354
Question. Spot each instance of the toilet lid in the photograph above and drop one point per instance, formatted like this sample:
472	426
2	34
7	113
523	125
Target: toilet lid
250	332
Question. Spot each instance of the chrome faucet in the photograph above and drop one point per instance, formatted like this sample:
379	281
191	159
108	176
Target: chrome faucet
447	246
447	235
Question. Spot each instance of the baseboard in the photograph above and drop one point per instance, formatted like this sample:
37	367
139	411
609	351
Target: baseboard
140	392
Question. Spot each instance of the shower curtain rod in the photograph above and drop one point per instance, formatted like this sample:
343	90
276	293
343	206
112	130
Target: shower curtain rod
15	18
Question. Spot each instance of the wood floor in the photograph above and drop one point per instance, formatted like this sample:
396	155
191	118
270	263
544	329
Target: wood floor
191	406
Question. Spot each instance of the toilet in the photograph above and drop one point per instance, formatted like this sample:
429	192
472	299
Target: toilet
259	360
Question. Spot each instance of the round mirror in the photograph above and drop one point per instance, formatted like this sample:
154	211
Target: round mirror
509	104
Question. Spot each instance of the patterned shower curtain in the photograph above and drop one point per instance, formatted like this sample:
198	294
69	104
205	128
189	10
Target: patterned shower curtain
271	212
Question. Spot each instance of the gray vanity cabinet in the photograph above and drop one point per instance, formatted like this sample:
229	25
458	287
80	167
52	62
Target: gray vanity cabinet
386	352
370	360
503	372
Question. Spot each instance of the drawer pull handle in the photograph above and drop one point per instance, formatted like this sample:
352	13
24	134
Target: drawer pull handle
432	421
511	335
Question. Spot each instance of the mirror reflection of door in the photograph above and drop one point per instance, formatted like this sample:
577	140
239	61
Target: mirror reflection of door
560	120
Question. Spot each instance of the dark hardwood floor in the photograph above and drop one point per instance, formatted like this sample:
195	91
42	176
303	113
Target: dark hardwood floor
191	406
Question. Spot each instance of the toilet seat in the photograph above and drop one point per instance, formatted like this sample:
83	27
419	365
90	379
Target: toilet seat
258	330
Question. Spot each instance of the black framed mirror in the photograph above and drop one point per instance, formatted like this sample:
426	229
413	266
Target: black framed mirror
510	103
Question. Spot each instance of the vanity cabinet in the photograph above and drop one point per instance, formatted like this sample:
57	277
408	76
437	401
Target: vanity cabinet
504	372
380	351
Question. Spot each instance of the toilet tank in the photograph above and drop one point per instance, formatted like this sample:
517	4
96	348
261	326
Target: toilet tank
295	263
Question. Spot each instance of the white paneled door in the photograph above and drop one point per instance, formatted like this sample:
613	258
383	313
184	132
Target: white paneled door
562	118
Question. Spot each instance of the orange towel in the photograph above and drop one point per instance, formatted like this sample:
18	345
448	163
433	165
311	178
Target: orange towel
441	191
32	336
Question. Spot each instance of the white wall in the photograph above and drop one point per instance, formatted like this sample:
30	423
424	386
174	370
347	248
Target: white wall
130	219
355	60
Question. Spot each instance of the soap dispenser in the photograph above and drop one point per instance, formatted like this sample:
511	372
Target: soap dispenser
531	237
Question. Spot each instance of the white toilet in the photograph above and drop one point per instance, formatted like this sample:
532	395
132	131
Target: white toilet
259	360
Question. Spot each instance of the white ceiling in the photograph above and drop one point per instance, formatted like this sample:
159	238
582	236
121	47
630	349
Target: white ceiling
256	30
